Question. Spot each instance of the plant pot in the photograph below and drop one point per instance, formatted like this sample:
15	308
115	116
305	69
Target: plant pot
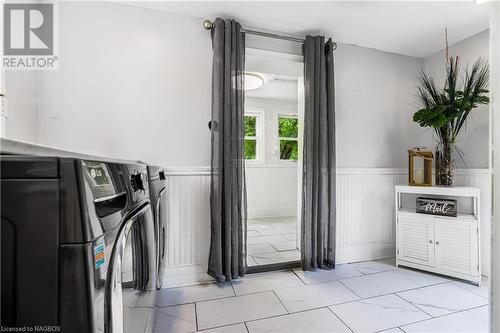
445	164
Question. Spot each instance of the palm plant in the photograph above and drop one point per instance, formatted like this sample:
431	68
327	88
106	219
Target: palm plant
446	110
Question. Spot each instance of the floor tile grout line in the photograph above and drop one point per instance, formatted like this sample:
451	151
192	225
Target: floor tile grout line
410	323
196	315
349	289
393	292
198	301
232	287
448	314
312	309
432	318
281	315
330	309
251	320
359	271
438	284
324	282
451	281
362	299
458	285
279	299
222	326
418	308
297	275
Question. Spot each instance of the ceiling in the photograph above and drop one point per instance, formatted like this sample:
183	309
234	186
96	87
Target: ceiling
409	28
278	87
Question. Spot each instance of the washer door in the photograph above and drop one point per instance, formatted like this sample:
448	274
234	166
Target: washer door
132	273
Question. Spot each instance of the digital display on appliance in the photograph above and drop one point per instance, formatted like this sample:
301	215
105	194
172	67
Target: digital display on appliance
98	173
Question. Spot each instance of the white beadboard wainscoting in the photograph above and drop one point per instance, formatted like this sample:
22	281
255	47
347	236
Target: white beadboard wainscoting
272	190
365	217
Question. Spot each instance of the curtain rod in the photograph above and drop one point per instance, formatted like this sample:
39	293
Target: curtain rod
208	25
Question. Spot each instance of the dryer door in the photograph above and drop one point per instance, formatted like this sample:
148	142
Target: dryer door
132	273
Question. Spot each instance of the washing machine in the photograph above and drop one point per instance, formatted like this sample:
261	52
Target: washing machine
78	245
157	192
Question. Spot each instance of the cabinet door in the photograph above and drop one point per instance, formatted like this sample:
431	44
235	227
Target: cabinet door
416	239
457	246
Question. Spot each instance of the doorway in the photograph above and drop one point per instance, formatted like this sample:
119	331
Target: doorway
272	153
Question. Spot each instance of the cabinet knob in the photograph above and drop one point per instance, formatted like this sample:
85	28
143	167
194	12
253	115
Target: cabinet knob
430	241
437	243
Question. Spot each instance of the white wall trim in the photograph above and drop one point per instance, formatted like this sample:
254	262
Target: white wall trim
272	212
368	251
186	275
205	170
188	171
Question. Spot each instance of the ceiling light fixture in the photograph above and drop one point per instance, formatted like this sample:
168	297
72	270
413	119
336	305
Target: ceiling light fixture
253	81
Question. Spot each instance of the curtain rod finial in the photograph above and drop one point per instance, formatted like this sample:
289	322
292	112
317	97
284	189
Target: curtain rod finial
207	24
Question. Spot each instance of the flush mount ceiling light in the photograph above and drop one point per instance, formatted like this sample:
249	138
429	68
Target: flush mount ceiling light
253	81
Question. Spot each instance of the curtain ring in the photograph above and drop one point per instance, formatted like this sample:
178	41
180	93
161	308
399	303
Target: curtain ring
208	25
212	125
330	43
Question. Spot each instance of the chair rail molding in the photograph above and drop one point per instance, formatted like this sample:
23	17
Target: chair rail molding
365	217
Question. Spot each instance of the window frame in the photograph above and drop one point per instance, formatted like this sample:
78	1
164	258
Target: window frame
259	137
279	138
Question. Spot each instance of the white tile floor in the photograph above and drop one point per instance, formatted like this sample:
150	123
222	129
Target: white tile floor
371	296
272	240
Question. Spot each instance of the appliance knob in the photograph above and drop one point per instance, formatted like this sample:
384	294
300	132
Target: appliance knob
138	182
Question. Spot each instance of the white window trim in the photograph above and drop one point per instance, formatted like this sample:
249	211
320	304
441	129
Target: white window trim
278	138
259	138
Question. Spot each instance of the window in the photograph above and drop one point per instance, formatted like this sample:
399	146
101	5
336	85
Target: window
251	123
288	134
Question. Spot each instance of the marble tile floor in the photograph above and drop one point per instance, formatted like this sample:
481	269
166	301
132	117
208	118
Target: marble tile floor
372	296
272	240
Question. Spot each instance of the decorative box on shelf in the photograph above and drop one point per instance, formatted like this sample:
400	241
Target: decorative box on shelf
444	245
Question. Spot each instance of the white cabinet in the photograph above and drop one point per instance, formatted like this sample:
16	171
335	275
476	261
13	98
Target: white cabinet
456	245
443	245
415	239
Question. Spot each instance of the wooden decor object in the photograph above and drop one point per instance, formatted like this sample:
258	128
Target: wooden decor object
428	157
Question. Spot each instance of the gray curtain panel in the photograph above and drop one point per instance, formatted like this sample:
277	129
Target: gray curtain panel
227	189
318	196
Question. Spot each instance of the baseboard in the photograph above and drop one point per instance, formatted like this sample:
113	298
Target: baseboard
255	213
186	275
367	251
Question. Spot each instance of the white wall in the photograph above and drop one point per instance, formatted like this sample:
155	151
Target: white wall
21	89
132	83
374	94
474	137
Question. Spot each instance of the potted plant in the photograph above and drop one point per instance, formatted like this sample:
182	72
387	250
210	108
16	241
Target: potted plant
446	109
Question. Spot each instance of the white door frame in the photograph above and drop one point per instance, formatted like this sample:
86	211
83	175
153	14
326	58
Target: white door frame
495	108
300	112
